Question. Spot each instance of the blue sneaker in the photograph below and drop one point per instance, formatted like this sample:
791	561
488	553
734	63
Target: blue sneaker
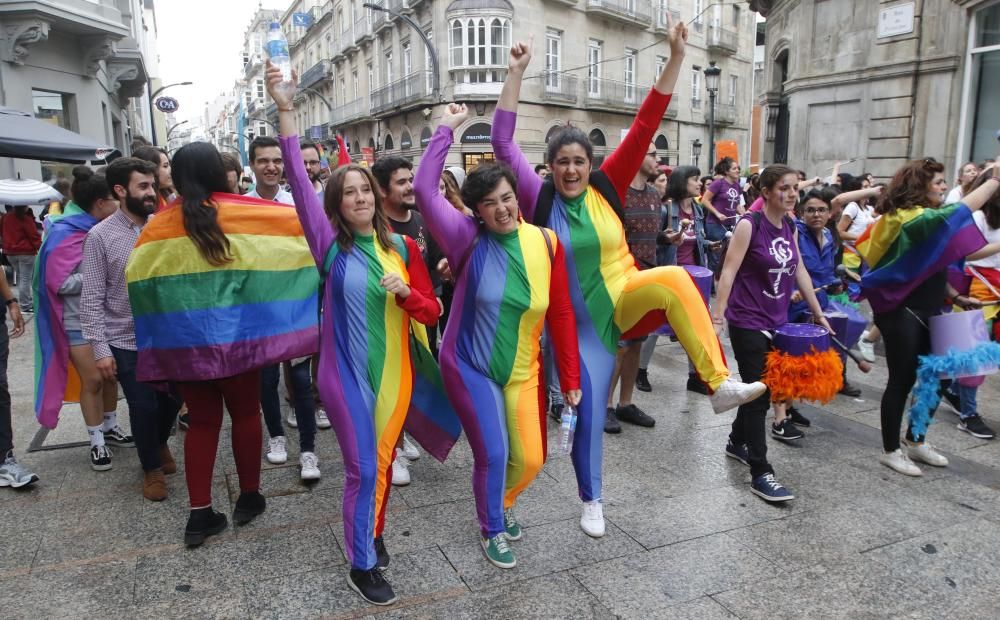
769	489
740	453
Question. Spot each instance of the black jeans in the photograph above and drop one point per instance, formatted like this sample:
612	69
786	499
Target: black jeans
750	347
906	337
302	398
6	427
151	412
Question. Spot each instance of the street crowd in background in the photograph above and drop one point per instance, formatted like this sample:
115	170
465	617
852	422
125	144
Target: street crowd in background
405	304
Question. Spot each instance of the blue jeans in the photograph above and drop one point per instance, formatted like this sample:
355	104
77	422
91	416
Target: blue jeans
551	371
302	398
151	412
714	231
967	396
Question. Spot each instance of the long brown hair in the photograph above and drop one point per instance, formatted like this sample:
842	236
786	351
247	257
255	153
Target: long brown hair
198	173
908	187
991	209
334	195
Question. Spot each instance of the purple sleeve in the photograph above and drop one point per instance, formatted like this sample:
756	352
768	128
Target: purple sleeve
528	183
453	231
317	227
717	186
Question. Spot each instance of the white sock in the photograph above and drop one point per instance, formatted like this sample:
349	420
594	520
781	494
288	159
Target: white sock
96	435
110	420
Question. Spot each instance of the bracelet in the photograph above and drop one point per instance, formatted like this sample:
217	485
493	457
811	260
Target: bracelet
291	109
11	301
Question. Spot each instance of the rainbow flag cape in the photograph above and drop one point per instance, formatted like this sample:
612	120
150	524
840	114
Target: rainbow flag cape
905	247
195	322
430	420
56	380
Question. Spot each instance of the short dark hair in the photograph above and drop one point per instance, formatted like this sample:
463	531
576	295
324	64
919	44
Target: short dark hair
565	136
824	194
307	144
540	167
150	154
88	187
232	163
677	182
723	165
483	180
261	142
386	166
120	171
772	174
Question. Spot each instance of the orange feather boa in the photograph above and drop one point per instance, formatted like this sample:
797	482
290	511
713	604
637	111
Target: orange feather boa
815	376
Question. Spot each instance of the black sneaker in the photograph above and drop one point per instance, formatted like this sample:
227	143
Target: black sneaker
953	400
695	385
850	390
556	412
975	426
797	418
740	453
611	424
118	437
633	415
786	431
382	556
100	458
642	381
372	586
203	523
248	506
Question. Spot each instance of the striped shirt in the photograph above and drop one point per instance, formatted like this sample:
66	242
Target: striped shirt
105	313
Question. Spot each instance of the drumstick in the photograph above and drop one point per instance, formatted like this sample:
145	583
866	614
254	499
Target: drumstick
843	272
863	364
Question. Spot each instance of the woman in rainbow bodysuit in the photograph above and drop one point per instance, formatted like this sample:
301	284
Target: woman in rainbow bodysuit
510	279
611	298
375	281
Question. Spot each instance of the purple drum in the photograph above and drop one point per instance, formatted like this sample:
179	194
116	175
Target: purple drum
703	280
959	332
801	339
847	323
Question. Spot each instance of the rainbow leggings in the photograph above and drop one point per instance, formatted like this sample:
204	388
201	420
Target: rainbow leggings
504	430
647	297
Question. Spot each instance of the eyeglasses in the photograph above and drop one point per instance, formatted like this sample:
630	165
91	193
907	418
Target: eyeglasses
312	162
815	210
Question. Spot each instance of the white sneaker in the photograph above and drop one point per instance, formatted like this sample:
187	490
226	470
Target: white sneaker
276	453
592	520
322	421
291	420
897	460
733	394
866	347
409	451
925	453
309	463
400	472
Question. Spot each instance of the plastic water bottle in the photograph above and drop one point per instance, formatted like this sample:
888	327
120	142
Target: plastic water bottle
277	52
567	428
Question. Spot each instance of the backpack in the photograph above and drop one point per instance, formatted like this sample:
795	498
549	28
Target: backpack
600	181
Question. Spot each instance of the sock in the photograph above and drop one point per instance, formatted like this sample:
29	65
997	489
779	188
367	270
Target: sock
110	420
96	435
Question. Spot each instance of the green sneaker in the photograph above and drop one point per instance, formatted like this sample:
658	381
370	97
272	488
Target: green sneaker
498	551
513	527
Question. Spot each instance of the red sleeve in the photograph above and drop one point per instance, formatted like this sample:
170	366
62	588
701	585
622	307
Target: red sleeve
343	157
32	232
562	323
421	304
624	162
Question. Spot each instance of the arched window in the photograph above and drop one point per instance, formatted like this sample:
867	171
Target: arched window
478	41
597	138
456	43
661	143
389	145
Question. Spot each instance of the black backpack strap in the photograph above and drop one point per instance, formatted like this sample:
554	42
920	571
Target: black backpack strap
548	243
543	204
603	184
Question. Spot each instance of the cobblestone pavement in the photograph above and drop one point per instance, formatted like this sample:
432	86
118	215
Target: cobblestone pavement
685	538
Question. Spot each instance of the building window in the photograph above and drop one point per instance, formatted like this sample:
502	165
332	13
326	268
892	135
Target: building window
428	65
983	112
260	90
371	77
734	83
354	76
661	63
737	15
407	59
661	13
698	8
594	55
696	87
53	107
630	75
480	44
261	129
388	68
553	59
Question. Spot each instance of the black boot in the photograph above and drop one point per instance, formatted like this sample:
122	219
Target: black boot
248	506
202	523
642	381
694	384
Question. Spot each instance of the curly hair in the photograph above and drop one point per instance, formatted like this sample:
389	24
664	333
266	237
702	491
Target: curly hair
334	196
908	187
485	179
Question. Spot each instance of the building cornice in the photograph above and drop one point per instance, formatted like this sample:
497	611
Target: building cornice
881	72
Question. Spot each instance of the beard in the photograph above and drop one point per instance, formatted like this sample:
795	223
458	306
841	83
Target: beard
143	207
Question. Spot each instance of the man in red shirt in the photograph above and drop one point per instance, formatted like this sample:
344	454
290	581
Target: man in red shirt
20	243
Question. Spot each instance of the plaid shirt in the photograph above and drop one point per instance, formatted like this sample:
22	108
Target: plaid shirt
105	313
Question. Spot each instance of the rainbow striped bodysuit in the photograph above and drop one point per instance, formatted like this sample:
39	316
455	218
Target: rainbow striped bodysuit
507	287
365	371
612	299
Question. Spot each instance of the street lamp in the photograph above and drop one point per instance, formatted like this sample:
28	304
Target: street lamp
431	52
712	74
152	96
696	151
173	127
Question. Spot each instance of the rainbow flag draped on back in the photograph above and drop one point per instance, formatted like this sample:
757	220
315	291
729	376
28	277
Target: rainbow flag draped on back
56	380
195	321
903	248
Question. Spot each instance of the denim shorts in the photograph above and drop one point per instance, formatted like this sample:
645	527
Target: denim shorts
75	337
624	344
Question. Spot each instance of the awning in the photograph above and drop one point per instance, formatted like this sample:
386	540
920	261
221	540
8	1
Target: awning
26	137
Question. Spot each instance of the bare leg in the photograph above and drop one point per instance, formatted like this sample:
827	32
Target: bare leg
628	365
91	384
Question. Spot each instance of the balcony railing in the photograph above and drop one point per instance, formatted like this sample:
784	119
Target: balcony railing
350	112
316	73
558	87
602	93
483	81
695	103
381	19
363	29
627	11
660	23
725	113
343	42
405	91
722	40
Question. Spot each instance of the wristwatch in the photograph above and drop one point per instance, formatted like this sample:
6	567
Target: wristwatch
11	301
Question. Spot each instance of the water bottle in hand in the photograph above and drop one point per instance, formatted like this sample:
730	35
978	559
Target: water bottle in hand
567	428
277	52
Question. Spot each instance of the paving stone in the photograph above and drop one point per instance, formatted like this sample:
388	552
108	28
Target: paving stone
213	605
704	608
17	553
74	592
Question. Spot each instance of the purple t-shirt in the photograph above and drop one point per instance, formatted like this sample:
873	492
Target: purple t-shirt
725	198
763	286
685	251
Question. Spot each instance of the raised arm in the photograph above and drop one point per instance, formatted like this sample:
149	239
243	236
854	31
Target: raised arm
979	196
453	231
859	196
625	160
317	227
502	133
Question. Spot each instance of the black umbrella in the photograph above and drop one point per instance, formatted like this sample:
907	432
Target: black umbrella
26	137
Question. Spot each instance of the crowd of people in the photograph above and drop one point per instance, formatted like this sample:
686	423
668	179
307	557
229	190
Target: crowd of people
437	301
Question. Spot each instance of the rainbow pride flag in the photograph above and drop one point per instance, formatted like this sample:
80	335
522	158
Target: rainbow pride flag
431	420
56	380
905	247
195	322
